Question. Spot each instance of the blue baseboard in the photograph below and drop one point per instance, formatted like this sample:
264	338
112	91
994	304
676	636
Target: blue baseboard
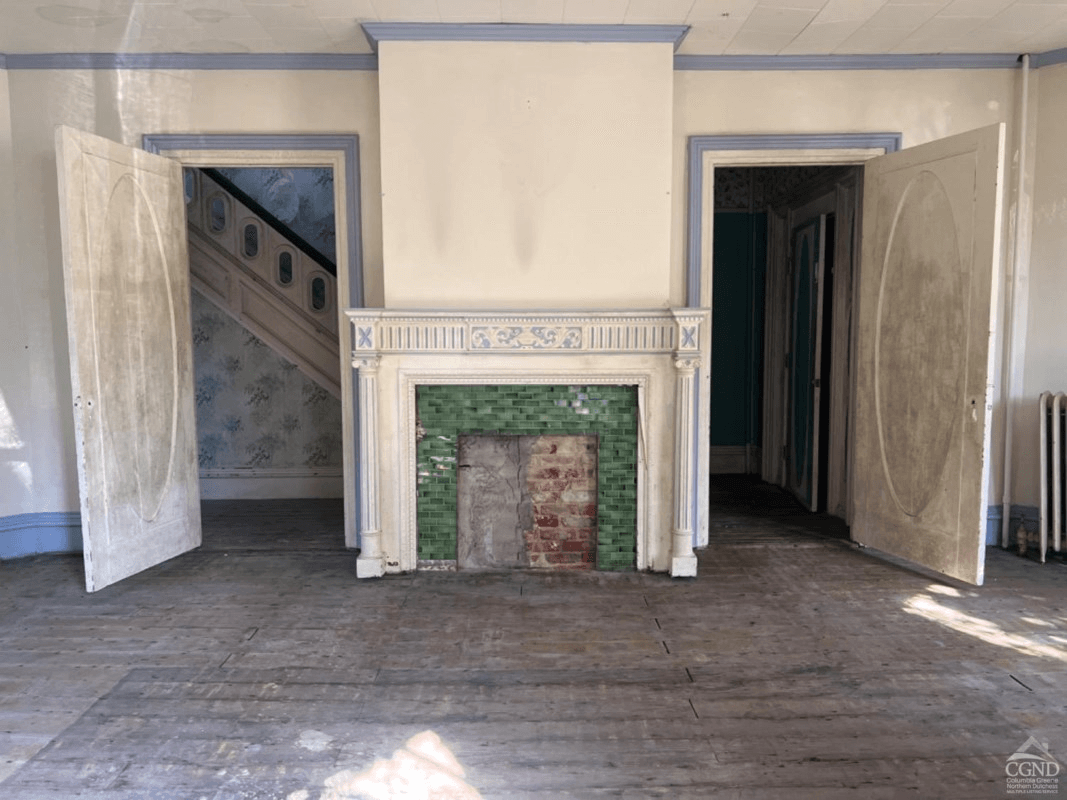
994	516
48	532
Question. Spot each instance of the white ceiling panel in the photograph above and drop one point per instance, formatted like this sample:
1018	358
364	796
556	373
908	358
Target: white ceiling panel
822	37
298	40
346	35
855	10
711	11
532	11
1028	18
335	9
873	41
900	15
808	5
782	21
234	28
712	38
717	26
469	10
705	42
1051	38
939	32
282	16
407	10
595	12
974	8
656	12
757	43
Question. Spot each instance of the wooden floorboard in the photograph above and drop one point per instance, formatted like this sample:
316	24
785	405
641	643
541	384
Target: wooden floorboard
795	666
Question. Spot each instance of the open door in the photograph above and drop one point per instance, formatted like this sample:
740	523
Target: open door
805	392
931	222
126	273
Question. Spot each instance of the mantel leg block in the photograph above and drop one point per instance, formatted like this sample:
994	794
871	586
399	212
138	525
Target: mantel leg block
370	567
684	566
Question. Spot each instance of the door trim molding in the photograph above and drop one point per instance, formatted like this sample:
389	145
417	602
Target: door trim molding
347	144
762	150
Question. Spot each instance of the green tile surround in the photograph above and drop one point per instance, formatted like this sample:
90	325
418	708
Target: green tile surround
610	412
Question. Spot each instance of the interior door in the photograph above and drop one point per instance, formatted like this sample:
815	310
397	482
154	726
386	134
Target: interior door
126	275
805	392
931	225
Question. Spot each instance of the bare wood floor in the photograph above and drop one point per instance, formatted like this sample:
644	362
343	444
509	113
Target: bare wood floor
795	666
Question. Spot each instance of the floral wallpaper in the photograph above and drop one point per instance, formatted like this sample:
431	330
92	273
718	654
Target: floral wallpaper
253	407
301	197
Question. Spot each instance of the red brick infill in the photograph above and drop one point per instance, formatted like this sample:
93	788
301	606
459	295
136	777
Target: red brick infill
561	479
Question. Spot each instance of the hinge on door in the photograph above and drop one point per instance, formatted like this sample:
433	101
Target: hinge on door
817	383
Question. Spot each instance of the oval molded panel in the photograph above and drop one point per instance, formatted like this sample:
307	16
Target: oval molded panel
920	344
133	311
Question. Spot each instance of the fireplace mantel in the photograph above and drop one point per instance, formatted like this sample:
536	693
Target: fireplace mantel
658	351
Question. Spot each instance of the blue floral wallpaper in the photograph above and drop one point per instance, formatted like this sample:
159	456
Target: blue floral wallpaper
301	197
253	407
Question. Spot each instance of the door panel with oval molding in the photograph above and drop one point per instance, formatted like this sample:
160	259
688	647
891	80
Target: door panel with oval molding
928	287
126	276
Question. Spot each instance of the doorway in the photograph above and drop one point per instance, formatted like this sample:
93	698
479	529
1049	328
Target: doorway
920	405
262	263
781	301
340	155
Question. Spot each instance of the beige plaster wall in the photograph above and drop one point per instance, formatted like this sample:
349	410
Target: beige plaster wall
1046	331
16	407
124	105
923	105
526	175
38	474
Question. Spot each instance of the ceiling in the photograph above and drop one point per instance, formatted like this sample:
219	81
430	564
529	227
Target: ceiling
718	27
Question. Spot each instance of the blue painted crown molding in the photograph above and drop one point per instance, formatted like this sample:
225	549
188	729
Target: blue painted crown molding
500	32
194	61
505	32
847	62
1048	58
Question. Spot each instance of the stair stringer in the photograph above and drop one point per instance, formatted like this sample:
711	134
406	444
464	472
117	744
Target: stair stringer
251	301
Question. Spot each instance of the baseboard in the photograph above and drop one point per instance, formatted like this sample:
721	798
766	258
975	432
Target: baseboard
47	532
734	459
264	484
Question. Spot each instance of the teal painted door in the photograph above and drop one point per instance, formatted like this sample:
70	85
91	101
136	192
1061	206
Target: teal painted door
802	461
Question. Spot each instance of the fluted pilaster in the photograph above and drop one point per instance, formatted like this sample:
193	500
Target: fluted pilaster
371	562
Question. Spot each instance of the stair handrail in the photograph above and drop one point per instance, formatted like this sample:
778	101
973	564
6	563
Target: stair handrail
279	227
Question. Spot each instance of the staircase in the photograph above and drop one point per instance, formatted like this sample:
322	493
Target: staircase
273	284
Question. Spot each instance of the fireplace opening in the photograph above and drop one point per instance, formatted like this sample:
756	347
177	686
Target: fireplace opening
526	502
526	476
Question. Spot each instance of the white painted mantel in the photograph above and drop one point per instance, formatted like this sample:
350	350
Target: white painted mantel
657	351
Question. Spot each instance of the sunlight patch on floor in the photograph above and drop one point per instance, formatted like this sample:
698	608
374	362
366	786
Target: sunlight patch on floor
927	607
424	769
